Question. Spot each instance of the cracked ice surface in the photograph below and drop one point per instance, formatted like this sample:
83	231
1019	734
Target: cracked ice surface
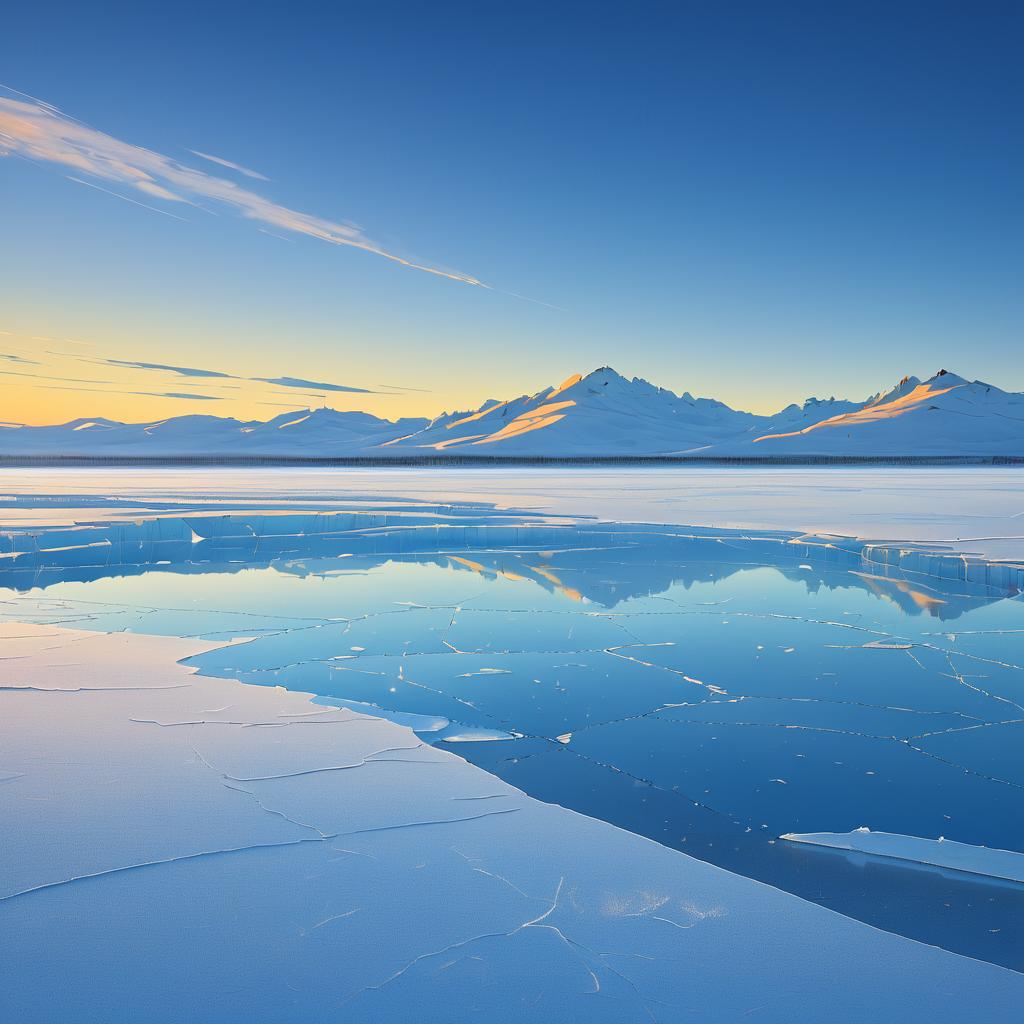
188	848
709	689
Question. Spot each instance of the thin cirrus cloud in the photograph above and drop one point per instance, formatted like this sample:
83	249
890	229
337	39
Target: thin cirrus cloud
317	385
281	382
49	376
40	132
53	375
230	165
181	394
184	371
119	391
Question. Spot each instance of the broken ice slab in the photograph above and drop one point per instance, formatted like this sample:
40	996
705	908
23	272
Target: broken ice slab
457	734
429	724
942	853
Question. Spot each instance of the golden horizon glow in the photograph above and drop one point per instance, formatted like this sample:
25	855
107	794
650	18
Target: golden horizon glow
48	378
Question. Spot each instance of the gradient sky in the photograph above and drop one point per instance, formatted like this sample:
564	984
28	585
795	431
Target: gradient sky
754	201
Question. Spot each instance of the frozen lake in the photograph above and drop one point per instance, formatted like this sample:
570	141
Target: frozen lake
708	660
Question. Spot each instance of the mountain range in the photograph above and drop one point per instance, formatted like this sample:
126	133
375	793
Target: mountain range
599	414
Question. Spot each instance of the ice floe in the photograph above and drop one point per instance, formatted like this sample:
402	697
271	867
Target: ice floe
942	853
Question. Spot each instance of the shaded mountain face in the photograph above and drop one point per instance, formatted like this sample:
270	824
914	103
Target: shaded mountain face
799	417
600	414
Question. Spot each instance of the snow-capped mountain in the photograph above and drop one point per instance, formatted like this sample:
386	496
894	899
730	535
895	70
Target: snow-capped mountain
600	414
304	432
945	415
799	417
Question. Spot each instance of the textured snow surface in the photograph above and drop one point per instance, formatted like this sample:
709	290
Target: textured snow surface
942	853
182	848
600	414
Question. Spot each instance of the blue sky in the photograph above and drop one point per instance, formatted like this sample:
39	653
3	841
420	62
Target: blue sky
756	201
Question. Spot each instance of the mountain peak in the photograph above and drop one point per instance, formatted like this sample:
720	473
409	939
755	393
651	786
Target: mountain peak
604	375
904	386
600	413
947	378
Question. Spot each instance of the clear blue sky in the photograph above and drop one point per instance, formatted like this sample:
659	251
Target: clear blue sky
756	201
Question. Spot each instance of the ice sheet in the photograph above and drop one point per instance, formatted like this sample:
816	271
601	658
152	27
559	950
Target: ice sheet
324	865
706	688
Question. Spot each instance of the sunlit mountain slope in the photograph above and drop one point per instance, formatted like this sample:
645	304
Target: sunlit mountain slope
600	414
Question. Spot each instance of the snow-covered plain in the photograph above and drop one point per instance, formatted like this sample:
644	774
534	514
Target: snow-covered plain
182	848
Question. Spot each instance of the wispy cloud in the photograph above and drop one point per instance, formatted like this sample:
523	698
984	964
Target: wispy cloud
298	382
230	165
282	405
184	371
50	376
120	391
117	195
54	370
192	371
181	394
40	132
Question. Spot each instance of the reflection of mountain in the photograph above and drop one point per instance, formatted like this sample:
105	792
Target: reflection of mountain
602	414
603	563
